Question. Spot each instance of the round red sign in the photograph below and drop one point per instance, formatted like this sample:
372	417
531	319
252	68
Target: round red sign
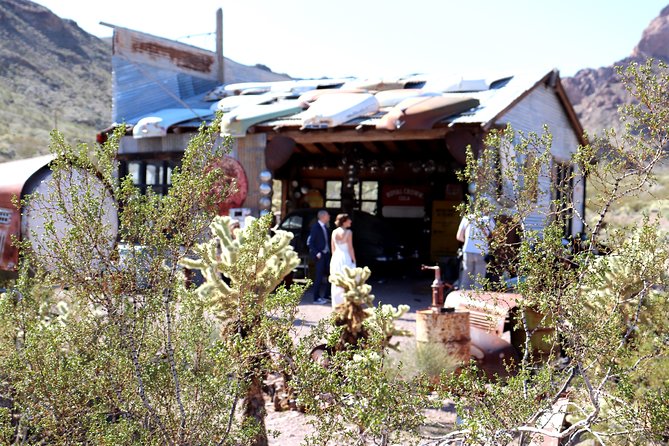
234	177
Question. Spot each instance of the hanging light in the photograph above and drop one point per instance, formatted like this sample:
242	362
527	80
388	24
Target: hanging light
430	167
265	189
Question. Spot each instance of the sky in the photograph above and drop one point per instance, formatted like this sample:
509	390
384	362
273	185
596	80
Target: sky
386	38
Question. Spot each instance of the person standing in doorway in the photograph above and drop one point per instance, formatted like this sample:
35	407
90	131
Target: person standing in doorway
342	254
474	232
319	249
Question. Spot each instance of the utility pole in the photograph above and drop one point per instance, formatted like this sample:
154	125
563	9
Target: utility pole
219	46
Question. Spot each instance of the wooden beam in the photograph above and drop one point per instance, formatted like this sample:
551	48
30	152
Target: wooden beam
250	151
370	146
310	148
392	146
344	136
331	147
321	150
415	146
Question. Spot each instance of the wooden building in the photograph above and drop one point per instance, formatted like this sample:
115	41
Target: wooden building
390	161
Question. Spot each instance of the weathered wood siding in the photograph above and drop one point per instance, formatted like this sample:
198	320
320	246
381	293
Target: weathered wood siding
543	107
250	151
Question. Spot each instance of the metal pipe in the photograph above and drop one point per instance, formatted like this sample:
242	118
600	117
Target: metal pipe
437	288
219	46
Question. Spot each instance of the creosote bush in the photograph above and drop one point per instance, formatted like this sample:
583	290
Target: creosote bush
103	345
602	291
106	342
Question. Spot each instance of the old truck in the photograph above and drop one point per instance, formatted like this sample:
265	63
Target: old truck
20	178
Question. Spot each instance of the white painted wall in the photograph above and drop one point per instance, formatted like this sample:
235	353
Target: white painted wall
543	107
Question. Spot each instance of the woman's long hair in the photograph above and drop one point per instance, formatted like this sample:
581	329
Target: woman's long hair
341	219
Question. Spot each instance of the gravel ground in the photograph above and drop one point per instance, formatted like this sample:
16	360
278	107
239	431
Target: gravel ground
416	293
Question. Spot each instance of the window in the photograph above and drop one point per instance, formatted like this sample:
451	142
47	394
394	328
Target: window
333	194
563	188
366	195
154	174
5	216
292	223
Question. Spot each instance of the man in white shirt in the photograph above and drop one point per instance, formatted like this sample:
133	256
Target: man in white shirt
474	233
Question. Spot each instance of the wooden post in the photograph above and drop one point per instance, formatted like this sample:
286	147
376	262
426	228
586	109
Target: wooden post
250	152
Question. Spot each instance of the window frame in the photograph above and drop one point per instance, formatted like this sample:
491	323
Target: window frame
334	201
162	178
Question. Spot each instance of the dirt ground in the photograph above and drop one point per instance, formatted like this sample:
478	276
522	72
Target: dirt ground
294	426
415	292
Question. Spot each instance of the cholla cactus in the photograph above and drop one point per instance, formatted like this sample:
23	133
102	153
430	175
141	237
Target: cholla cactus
357	313
352	280
56	314
220	257
384	318
619	280
242	268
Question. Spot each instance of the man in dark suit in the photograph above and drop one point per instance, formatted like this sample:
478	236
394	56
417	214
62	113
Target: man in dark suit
319	249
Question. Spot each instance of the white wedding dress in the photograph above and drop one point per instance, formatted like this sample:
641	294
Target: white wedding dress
341	257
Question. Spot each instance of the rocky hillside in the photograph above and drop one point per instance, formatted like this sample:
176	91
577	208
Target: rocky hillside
52	75
597	93
55	75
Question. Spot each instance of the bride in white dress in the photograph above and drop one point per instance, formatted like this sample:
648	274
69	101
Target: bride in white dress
342	253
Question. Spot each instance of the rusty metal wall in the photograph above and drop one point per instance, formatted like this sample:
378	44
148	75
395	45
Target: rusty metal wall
15	180
139	90
151	73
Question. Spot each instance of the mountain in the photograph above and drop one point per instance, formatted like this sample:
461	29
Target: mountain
596	93
52	75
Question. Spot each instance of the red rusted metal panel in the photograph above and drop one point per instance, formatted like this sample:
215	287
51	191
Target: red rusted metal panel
14	176
164	53
234	174
488	310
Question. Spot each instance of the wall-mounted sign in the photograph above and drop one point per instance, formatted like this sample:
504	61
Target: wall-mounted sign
403	201
445	221
403	195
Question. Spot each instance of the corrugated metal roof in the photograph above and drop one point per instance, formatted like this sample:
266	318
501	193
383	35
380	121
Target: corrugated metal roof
494	98
500	94
150	73
494	101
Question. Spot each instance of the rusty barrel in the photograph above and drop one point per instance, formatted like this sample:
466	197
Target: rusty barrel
450	329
